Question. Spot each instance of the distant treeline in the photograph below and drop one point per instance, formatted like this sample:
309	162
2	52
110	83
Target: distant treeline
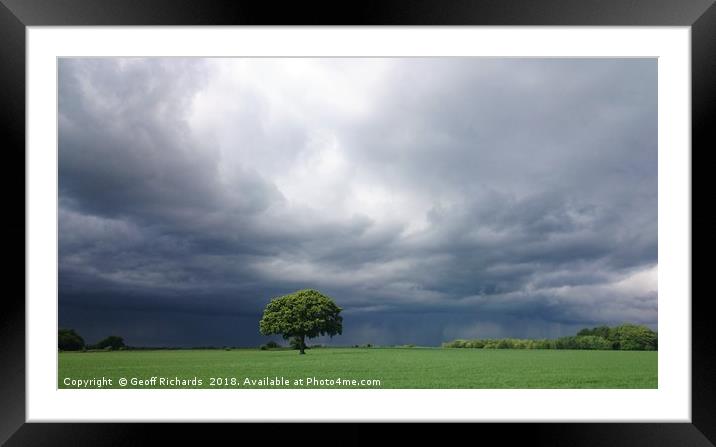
69	340
626	337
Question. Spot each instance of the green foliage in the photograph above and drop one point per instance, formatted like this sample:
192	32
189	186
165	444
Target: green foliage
503	343
110	343
632	337
542	344
627	337
583	342
302	314
69	340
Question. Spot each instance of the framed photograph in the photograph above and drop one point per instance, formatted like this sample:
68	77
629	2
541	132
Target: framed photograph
393	213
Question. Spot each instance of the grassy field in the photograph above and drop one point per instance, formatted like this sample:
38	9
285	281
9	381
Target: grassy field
393	367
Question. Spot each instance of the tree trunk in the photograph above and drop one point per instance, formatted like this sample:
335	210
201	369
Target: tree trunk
303	344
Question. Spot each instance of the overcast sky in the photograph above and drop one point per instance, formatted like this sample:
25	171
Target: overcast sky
433	198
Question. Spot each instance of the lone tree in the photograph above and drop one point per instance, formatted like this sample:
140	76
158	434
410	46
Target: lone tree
306	313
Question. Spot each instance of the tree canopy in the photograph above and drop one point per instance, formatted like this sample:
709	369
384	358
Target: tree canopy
302	314
69	340
626	337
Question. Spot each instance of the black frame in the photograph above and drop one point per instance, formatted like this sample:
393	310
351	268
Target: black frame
15	15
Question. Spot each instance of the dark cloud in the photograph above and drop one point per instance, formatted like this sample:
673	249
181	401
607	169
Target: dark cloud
432	198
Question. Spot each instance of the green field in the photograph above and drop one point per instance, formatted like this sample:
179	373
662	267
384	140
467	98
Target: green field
393	367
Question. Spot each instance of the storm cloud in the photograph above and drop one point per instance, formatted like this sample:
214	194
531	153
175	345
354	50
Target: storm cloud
432	198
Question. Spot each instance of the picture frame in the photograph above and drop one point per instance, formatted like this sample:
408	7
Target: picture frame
16	15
